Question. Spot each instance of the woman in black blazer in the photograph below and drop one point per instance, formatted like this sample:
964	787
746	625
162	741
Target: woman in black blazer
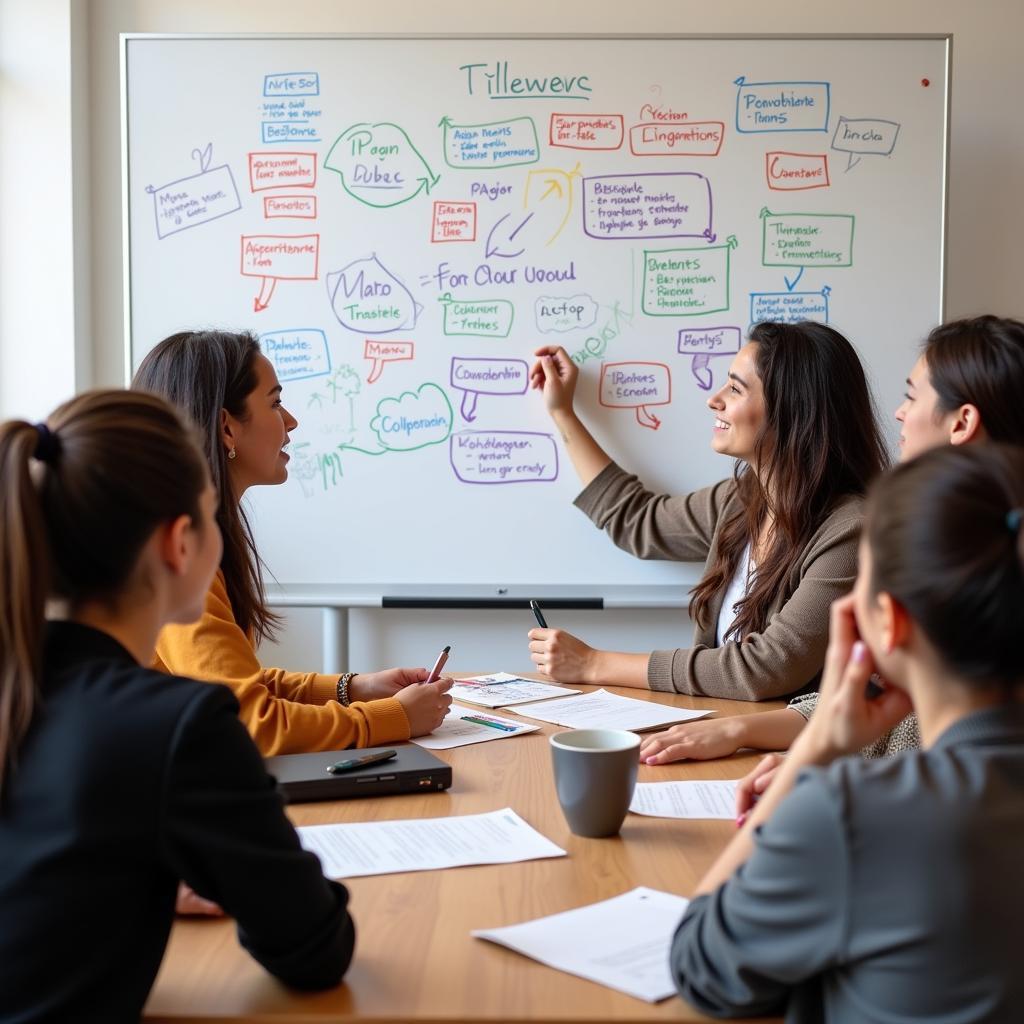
116	781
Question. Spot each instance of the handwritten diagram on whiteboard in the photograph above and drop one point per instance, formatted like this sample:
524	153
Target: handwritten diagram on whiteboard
403	221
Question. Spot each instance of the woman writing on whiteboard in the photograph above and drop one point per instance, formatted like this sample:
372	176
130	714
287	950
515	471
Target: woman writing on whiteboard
890	890
230	391
779	537
116	781
964	389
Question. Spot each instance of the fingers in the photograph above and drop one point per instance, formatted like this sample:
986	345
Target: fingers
673	752
755	782
443	685
540	634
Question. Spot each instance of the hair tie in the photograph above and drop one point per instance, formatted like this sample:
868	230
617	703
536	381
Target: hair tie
48	446
1013	519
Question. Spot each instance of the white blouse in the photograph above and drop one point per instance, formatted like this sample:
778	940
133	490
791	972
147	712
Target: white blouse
735	593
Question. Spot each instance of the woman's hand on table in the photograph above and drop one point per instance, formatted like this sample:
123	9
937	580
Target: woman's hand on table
696	741
387	683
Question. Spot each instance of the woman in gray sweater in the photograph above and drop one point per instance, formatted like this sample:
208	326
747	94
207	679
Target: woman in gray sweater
888	890
779	536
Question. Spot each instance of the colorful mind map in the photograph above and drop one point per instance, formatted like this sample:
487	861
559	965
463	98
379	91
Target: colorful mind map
404	222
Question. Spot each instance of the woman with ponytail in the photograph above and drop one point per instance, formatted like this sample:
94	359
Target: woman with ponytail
116	780
890	889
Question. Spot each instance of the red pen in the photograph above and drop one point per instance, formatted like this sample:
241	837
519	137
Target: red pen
438	665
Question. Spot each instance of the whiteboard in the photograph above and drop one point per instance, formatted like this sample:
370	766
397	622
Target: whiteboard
403	220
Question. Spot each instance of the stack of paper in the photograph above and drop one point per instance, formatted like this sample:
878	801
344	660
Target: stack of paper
463	726
421	844
622	942
500	689
604	710
696	799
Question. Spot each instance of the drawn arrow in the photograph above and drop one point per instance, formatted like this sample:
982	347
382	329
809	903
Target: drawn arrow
205	155
702	371
765	212
493	246
267	286
427	183
553	186
709	235
646	418
468	407
790	285
731	243
445	122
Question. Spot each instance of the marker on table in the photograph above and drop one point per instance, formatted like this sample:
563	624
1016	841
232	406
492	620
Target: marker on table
438	665
536	611
491	723
360	762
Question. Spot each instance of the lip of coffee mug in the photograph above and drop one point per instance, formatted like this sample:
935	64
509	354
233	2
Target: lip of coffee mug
626	740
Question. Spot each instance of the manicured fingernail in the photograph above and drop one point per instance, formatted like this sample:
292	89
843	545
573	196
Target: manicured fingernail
741	819
859	652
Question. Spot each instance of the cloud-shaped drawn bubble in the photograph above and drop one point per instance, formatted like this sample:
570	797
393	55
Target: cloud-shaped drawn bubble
414	419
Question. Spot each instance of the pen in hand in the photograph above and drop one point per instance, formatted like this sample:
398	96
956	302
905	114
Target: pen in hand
537	613
435	672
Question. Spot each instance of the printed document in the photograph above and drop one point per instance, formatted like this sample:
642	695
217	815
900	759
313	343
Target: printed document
604	710
500	689
712	798
463	726
423	844
622	943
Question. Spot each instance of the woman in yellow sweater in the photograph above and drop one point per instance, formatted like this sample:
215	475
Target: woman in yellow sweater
231	392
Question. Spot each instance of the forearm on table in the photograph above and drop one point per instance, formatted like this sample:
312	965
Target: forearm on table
618	668
768	730
587	456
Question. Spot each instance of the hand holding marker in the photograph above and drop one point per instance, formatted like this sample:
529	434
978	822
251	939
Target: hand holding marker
435	672
537	613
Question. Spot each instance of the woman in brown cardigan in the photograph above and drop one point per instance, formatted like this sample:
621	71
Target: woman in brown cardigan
779	537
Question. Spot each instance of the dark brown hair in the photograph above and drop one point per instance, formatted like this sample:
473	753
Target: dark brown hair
109	468
820	443
203	372
947	543
980	362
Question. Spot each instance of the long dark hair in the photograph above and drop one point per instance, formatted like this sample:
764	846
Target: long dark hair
980	362
203	372
947	542
820	443
81	496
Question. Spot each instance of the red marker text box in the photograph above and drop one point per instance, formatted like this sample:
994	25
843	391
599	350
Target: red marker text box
795	172
683	138
586	131
294	207
281	170
287	257
453	222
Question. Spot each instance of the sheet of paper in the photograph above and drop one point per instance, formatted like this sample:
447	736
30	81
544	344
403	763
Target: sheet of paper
463	726
500	690
423	844
604	710
622	943
712	798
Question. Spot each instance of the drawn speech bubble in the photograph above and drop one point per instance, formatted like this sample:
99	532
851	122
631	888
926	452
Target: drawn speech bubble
636	385
475	377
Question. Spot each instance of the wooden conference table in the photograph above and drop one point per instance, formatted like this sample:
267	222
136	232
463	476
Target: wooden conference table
415	959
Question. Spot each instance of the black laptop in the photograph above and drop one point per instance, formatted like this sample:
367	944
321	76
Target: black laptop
304	777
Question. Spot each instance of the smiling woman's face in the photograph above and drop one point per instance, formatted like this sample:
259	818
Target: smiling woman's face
739	407
259	440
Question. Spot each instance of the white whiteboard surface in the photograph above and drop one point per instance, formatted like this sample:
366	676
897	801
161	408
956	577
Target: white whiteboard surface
403	220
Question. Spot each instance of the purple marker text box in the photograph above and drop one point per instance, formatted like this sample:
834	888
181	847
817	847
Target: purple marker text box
712	341
503	457
668	204
197	199
490	376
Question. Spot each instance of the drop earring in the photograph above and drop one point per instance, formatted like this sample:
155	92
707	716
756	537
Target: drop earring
232	454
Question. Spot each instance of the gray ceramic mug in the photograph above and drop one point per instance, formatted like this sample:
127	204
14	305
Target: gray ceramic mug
595	774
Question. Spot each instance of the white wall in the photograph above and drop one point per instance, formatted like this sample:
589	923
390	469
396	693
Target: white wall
986	217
